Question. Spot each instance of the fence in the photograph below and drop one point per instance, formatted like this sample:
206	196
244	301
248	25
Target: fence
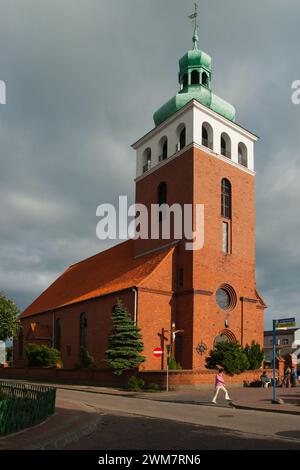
22	405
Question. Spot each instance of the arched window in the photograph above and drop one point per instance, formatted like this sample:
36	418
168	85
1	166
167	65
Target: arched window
146	160
207	135
195	76
162	193
225	145
163	149
204	79
21	343
243	154
181	137
57	334
226	199
185	80
83	331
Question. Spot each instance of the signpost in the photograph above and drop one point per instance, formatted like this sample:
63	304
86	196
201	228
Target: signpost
169	350
282	324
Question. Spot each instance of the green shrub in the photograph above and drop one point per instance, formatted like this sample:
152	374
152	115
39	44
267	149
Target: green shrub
255	355
136	384
40	355
86	359
230	356
173	365
153	387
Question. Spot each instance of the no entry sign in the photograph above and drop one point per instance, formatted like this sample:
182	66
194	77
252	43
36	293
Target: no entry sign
158	352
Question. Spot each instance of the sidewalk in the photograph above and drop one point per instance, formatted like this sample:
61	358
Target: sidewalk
258	399
71	422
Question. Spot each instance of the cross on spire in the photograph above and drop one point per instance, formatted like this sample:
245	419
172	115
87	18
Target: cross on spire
194	17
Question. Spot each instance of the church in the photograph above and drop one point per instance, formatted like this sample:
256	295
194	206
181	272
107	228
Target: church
196	153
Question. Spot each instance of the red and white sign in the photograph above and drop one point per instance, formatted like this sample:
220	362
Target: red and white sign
158	352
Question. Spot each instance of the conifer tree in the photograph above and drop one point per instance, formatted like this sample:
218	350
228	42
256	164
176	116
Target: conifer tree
125	342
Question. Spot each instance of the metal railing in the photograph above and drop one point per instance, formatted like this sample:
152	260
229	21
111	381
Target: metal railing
225	153
24	405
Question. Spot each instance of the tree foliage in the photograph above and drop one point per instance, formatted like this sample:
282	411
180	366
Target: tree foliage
125	342
255	355
9	321
40	355
230	356
86	359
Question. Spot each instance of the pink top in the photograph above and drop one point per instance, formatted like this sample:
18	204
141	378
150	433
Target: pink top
219	380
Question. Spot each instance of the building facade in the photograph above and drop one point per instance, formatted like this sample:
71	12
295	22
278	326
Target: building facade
195	155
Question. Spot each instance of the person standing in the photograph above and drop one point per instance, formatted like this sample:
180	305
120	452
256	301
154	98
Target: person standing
220	385
293	376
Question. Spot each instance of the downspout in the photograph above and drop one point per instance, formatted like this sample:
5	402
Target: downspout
53	326
135	305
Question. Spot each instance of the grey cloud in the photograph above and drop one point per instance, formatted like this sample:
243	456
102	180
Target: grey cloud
83	80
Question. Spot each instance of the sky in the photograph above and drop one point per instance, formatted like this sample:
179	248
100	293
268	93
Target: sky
83	79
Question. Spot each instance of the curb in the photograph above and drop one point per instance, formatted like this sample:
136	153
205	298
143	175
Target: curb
265	410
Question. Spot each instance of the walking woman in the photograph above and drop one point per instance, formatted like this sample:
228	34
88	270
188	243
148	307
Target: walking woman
220	385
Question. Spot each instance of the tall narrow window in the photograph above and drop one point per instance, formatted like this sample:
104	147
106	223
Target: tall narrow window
163	149
182	139
226	199
207	135
83	331
57	334
21	343
225	145
242	154
204	79
225	237
162	197
195	77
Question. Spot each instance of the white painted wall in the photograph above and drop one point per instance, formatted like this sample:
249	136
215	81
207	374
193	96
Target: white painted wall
193	116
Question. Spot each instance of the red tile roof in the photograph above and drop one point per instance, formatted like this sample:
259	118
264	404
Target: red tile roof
110	271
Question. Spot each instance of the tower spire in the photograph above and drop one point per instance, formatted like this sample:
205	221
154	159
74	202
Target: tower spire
194	17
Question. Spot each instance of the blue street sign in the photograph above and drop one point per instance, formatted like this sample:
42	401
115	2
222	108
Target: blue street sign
285	323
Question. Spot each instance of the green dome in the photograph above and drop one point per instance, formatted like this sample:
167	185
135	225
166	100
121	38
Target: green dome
195	84
195	58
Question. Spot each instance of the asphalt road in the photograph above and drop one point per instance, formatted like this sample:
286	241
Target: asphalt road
131	423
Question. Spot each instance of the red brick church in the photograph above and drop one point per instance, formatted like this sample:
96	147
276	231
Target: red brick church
195	154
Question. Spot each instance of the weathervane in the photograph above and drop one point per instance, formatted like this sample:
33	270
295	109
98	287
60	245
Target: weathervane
194	17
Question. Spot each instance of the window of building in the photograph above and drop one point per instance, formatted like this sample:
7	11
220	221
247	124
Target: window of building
285	341
21	343
57	334
147	160
195	77
226	297
163	149
207	135
83	330
225	237
243	154
226	199
204	79
225	145
182	138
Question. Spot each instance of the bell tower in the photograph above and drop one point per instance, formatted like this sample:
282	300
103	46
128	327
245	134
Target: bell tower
198	154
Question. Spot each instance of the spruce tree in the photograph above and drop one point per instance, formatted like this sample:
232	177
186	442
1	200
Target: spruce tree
125	342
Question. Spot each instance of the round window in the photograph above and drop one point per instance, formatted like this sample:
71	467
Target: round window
226	297
223	299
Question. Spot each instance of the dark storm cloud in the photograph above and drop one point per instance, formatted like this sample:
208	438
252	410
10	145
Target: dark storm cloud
83	79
